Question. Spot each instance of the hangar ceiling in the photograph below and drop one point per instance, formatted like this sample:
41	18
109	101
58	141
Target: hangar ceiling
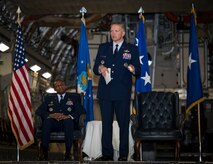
51	27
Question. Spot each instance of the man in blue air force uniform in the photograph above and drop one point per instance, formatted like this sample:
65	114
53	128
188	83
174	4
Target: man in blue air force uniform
58	112
121	60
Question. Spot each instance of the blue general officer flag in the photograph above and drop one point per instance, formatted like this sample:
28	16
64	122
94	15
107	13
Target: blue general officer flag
143	84
84	75
194	85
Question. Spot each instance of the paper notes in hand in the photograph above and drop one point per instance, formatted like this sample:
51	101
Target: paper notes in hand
108	76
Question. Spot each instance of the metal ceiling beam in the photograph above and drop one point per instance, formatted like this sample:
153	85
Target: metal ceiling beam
29	51
38	57
46	7
54	21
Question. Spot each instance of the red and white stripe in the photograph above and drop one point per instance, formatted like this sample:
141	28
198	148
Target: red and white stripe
20	108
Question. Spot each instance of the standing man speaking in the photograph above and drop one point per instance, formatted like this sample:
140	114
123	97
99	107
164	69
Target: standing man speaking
115	63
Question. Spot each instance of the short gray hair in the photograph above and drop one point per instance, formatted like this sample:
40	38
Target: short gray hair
120	24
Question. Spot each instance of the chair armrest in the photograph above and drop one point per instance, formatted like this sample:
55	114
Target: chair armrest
180	121
81	121
134	126
134	120
82	125
38	122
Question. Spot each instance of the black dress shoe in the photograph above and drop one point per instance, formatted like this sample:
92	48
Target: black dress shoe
67	157
45	155
122	158
104	158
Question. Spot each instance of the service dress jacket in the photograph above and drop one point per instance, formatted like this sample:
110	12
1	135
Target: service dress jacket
70	105
120	87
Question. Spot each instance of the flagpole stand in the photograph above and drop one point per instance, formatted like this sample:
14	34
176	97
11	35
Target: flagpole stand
199	134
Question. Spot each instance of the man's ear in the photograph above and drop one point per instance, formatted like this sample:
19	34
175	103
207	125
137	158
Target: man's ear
123	33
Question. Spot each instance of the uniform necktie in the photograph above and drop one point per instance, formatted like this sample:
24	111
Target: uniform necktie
61	98
116	50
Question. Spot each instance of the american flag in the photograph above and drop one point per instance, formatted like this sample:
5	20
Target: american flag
19	104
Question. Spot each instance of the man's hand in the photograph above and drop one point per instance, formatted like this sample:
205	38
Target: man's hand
59	116
131	68
103	70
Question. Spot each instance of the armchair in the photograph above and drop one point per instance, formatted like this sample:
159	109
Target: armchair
59	137
157	119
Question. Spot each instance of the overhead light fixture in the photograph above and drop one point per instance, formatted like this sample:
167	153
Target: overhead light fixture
46	75
50	90
3	47
35	68
149	62
149	59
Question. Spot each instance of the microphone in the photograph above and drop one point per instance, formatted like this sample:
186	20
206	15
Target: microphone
128	67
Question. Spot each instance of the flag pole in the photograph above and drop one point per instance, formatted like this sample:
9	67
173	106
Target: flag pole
84	73
140	12
199	133
18	18
19	23
83	11
198	110
17	157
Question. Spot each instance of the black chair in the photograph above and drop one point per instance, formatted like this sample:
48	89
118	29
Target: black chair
157	120
59	137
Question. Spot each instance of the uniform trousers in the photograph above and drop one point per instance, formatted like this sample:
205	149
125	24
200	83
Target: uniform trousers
121	109
52	125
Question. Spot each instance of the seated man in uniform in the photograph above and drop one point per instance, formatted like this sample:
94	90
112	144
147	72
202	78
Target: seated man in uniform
58	112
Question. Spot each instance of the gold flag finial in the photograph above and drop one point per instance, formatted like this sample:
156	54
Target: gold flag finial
89	72
18	12
140	12
193	12
83	11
